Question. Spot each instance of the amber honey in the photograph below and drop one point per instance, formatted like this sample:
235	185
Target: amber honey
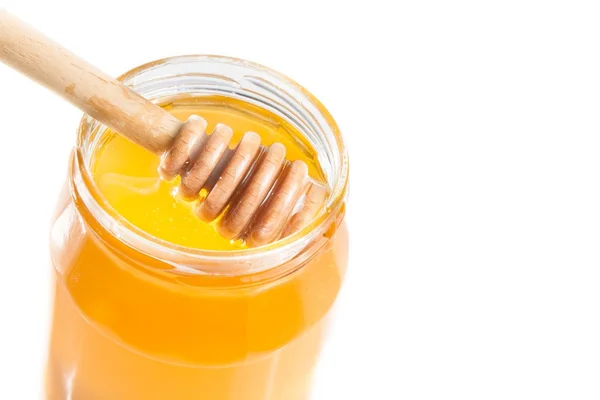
127	174
130	324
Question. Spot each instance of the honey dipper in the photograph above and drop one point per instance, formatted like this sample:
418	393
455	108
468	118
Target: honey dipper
264	196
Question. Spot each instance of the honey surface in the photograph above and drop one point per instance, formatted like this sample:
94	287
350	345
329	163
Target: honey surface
127	174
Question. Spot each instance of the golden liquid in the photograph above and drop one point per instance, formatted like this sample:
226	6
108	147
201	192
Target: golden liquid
127	176
128	327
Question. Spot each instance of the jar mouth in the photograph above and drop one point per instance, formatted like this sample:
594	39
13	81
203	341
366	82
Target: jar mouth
197	75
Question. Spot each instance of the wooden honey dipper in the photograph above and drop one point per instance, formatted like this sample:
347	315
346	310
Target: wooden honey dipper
264	195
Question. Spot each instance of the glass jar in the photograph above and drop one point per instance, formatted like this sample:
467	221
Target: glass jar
138	318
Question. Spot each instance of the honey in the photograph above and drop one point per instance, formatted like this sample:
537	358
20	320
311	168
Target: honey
135	319
127	174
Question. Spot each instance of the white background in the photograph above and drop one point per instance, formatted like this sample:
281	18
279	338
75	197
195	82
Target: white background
473	129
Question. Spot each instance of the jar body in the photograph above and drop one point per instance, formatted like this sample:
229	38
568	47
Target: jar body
126	327
139	318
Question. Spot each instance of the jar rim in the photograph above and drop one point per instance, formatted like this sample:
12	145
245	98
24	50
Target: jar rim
217	262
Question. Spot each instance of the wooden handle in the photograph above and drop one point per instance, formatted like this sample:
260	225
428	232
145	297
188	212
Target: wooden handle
97	94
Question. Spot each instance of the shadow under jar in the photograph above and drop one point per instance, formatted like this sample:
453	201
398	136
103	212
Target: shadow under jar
136	317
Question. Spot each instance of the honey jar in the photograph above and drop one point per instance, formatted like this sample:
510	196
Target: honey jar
152	303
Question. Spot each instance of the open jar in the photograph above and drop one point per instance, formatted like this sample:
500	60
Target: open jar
136	317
